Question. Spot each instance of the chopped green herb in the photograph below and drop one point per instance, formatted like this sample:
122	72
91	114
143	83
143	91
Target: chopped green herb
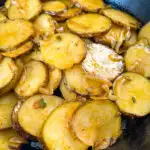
59	38
39	104
133	99
76	44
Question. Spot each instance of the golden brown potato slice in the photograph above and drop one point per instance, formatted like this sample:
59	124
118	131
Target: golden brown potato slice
89	5
34	112
10	140
33	78
68	95
63	50
79	82
23	9
88	25
137	59
26	47
14	32
132	94
114	37
44	25
102	62
2	17
132	40
71	12
7	103
55	76
121	18
145	32
97	124
9	75
54	7
58	126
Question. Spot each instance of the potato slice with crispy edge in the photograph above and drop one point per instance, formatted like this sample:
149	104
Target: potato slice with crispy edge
55	76
80	83
89	5
102	63
71	12
44	25
10	73
145	32
7	103
121	18
89	25
58	127
63	50
115	37
132	94
97	124
10	140
54	7
20	9
34	77
13	33
26	47
137	59
32	113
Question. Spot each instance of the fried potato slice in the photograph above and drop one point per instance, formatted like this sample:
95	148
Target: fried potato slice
132	94
16	67
89	5
58	127
14	32
145	32
2	17
20	9
78	81
102	62
71	12
115	37
121	18
63	50
88	25
9	75
137	59
34	77
131	41
26	47
7	103
34	112
10	140
68	95
97	124
55	76
44	25
54	7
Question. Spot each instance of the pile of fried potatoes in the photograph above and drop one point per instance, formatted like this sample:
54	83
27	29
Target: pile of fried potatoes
97	57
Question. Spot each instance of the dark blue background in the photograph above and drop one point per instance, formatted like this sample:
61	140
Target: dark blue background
136	134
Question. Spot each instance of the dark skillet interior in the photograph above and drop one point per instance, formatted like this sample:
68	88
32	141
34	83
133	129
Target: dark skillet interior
136	135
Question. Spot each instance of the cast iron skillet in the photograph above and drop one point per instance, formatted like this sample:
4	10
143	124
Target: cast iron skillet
136	135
